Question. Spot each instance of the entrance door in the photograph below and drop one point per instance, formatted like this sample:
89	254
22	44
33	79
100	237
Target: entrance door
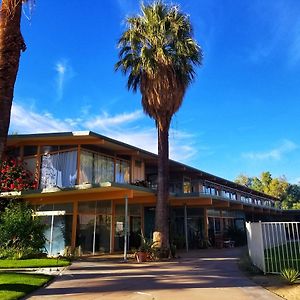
85	233
135	232
102	234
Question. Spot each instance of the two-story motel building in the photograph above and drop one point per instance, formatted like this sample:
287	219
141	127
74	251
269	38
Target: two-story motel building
84	179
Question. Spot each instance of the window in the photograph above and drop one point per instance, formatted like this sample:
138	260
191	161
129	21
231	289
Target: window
122	171
95	168
59	169
187	186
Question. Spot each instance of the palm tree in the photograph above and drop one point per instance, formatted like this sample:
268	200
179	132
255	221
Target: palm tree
158	54
11	45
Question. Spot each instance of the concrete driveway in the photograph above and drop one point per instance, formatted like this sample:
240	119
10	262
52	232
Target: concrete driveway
204	274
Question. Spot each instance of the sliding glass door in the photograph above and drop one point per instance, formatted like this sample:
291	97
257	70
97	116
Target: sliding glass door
94	226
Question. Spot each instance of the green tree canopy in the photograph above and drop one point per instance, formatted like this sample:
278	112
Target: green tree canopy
278	187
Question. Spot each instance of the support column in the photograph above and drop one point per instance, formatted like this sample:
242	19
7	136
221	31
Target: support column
126	228
205	221
112	227
186	229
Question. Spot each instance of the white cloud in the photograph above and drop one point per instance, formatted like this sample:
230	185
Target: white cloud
64	72
273	154
125	127
24	120
105	120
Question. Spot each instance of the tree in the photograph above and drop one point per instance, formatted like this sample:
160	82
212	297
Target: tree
257	185
21	235
243	180
11	45
266	179
277	187
158	53
291	200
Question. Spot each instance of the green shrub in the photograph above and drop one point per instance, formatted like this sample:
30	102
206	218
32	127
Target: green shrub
290	275
15	177
21	235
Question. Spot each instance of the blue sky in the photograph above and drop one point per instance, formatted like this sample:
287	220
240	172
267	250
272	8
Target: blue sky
241	115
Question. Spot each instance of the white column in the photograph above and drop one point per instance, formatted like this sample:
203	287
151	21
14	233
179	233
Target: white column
126	228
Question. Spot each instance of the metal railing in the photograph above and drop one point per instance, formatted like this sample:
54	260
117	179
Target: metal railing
274	246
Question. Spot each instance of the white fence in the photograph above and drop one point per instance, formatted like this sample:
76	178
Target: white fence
274	246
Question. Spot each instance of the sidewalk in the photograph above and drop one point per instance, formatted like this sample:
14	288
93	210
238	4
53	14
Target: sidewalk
204	274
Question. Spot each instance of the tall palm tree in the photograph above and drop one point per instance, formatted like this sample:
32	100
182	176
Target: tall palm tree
11	45
158	54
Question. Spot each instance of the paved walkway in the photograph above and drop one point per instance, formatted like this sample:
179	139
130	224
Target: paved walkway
205	275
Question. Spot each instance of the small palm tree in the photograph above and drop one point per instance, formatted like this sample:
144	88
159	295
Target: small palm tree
11	45
158	54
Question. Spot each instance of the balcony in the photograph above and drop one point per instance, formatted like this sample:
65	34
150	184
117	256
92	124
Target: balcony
195	188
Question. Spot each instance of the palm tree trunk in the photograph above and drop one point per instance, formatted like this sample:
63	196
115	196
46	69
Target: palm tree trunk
161	236
11	45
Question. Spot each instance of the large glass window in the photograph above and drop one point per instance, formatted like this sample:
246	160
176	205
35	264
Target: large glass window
58	219
103	169
96	168
93	226
86	167
134	230
122	171
59	169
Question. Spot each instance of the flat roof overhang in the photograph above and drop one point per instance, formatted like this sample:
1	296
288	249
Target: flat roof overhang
135	194
86	192
217	202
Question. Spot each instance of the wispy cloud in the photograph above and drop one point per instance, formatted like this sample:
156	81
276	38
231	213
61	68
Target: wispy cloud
125	127
64	72
105	120
272	154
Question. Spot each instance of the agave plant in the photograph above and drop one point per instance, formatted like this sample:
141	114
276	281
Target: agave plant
290	275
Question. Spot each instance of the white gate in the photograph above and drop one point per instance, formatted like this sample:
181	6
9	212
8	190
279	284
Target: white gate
274	246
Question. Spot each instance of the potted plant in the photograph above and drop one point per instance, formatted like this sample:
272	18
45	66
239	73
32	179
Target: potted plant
145	250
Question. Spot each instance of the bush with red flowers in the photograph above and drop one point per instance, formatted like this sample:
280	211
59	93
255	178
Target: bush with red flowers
15	177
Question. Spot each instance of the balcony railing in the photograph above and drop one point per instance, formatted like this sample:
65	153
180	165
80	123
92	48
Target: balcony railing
183	190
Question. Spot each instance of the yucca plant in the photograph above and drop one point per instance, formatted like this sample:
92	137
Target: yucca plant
290	275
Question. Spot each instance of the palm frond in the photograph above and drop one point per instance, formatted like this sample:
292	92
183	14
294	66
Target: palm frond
159	54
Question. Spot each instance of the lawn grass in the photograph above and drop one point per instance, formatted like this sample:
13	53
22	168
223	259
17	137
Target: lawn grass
33	263
283	256
17	285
